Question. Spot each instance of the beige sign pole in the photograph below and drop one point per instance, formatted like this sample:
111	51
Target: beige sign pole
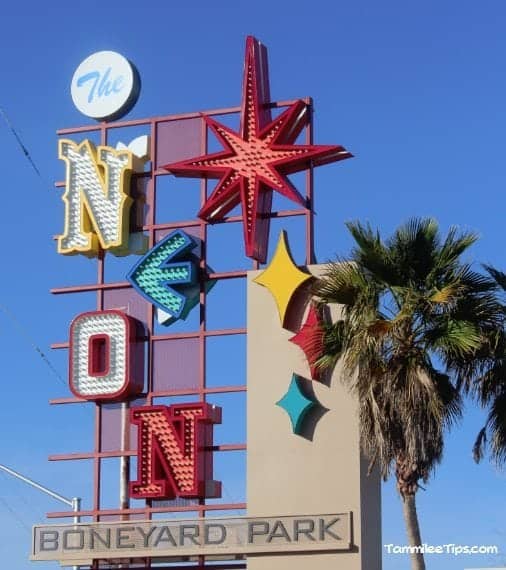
320	470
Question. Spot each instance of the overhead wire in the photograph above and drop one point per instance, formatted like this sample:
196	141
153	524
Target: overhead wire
13	511
20	328
15	515
17	324
23	148
26	335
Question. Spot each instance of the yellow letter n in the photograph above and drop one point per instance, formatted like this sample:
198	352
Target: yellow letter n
97	198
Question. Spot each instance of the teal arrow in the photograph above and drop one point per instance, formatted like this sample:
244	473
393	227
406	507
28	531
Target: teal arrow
169	264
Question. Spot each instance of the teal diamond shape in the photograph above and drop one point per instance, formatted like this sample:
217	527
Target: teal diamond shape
296	404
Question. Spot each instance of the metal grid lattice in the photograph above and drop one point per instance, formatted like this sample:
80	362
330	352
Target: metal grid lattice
191	129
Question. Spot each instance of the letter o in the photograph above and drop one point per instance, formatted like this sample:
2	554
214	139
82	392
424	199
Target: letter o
106	356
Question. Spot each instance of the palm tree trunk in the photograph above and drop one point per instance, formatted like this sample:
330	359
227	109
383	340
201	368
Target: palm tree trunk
413	530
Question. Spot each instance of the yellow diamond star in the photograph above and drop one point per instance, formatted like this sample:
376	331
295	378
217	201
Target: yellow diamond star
282	277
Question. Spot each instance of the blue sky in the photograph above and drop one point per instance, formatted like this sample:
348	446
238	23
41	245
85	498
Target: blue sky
415	90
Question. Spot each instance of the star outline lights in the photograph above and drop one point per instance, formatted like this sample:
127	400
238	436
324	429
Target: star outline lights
258	159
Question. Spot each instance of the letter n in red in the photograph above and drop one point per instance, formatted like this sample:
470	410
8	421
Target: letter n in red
172	459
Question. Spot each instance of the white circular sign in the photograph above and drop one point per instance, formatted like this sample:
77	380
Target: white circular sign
105	86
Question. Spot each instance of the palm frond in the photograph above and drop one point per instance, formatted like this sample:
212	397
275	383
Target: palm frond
456	339
480	444
453	247
372	255
447	294
498	276
333	345
407	302
493	433
497	423
413	247
343	283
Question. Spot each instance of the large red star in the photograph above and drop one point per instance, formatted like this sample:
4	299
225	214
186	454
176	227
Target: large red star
258	159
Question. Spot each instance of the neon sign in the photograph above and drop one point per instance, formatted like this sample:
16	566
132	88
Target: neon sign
105	86
171	460
106	356
167	276
107	361
97	198
258	159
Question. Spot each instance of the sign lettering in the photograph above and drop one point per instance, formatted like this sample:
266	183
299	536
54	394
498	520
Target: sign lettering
171	461
97	198
106	356
105	86
100	84
219	537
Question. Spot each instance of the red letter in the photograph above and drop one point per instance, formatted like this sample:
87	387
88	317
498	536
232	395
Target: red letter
171	457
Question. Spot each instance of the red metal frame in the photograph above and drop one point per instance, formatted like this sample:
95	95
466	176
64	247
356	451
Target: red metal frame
97	455
185	428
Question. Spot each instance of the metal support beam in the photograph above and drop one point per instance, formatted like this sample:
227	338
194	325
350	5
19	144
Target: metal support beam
70	502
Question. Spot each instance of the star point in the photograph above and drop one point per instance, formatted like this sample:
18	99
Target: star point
282	277
310	340
296	404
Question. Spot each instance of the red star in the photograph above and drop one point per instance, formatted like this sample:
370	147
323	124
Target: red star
256	160
310	340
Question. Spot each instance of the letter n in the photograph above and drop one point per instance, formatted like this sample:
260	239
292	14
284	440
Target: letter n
174	458
96	198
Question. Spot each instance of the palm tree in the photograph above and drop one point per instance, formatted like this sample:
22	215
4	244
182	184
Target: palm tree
413	317
490	387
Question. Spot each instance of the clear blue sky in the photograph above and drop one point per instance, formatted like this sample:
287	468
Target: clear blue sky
416	90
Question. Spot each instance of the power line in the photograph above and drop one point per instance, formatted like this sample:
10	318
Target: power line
15	515
24	333
23	148
22	499
4	309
